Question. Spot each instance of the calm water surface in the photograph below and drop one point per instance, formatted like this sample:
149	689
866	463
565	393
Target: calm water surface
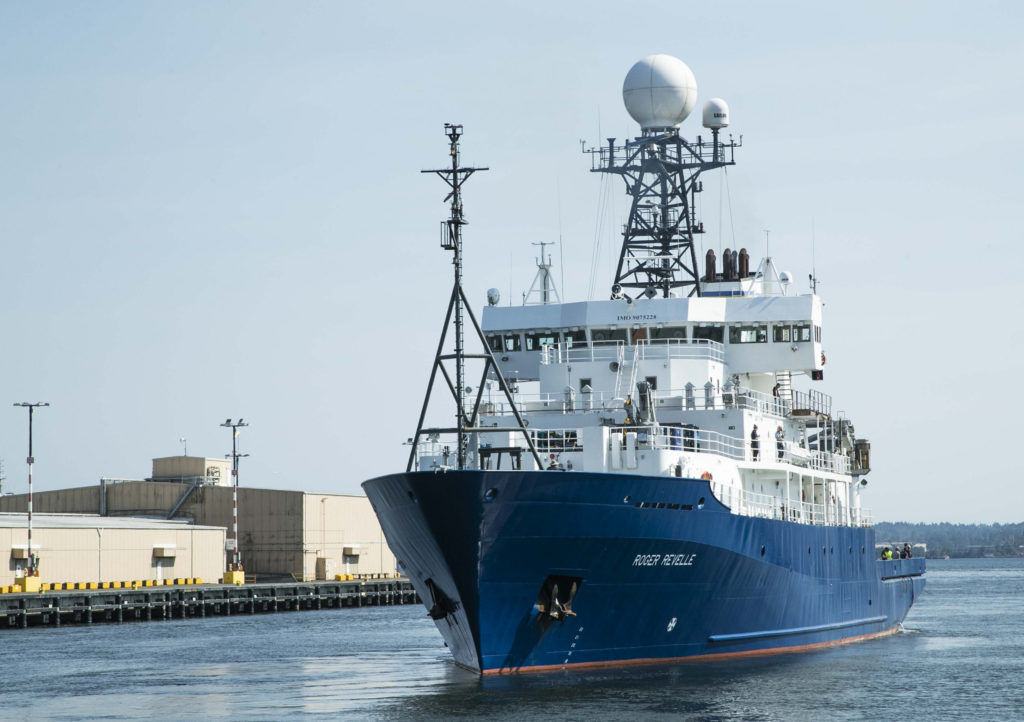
961	656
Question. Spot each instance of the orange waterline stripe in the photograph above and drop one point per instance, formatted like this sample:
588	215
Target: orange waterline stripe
716	656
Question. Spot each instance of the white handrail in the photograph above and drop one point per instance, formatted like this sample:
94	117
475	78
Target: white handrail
732	447
658	349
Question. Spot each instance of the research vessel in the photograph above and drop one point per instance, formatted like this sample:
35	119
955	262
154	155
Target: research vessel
651	477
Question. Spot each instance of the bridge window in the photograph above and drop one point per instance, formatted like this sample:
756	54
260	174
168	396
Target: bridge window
802	332
748	334
817	334
576	339
709	333
494	342
535	340
662	335
608	335
781	334
513	342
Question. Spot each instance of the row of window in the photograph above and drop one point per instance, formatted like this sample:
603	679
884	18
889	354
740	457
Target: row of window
752	333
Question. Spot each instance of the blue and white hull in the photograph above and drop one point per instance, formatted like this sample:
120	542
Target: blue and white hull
650	569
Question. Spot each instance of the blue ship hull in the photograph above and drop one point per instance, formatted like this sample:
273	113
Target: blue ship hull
645	569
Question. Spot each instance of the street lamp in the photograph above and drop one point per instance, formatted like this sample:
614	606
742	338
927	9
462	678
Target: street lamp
235	573
32	570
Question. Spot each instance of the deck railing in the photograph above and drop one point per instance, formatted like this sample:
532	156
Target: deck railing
733	447
767	506
646	350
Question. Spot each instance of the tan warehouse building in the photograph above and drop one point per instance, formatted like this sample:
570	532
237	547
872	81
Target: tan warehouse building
282	534
90	548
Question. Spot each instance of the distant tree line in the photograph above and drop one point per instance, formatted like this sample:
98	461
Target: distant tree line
957	540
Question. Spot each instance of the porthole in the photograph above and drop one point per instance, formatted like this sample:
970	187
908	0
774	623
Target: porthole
625	499
700	503
491	494
824	550
831	550
762	550
808	550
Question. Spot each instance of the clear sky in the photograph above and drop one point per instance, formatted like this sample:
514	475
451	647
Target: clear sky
213	210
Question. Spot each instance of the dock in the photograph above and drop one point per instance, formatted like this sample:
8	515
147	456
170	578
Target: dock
115	606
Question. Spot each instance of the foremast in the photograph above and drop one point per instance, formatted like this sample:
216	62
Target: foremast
467	415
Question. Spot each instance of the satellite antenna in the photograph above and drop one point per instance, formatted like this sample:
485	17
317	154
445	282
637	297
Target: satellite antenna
466	419
661	170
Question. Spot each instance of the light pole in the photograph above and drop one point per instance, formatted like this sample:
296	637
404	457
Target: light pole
32	570
235	573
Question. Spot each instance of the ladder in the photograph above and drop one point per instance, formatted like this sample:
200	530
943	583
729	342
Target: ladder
631	386
636	367
785	382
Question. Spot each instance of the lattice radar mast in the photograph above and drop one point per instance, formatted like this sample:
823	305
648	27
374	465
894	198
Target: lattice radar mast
661	170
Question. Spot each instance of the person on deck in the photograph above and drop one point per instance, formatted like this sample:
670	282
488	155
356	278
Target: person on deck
755	443
780	436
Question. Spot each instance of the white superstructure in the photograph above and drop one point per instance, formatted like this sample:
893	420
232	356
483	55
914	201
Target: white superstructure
675	387
682	372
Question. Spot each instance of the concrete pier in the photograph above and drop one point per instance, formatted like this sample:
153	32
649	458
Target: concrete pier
59	608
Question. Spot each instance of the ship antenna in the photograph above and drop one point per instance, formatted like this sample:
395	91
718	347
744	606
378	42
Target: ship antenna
451	240
661	170
546	292
814	270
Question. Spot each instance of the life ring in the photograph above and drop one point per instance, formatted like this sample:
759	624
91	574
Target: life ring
822	358
706	476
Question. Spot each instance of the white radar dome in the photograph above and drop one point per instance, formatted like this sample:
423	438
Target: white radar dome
659	92
716	114
493	296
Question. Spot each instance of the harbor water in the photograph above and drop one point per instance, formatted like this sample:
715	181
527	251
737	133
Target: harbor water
960	656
